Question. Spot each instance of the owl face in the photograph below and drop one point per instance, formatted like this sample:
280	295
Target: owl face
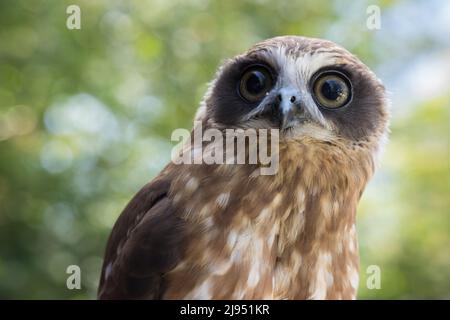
302	86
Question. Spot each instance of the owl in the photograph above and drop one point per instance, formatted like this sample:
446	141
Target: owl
227	231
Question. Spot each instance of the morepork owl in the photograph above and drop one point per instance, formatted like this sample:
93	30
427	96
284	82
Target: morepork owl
227	231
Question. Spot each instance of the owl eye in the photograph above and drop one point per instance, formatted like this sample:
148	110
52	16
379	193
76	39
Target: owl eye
255	83
332	90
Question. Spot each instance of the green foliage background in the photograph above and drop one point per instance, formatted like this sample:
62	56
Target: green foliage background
86	117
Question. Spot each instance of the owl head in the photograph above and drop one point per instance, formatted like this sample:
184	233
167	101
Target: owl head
305	87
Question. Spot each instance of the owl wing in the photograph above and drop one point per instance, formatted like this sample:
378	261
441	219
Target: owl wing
144	244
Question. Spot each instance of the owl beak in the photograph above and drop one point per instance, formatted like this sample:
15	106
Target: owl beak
291	111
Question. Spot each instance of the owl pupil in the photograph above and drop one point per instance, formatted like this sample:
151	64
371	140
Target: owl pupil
256	82
332	89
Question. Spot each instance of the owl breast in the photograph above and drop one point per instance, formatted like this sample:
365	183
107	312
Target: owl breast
266	258
268	237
